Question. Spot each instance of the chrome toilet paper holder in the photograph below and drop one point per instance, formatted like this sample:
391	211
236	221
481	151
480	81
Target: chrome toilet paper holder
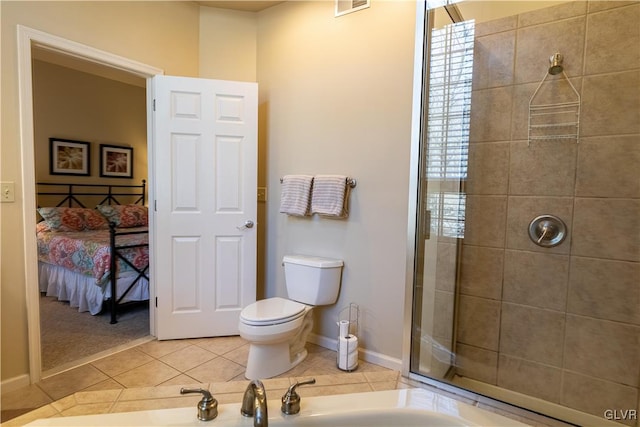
348	335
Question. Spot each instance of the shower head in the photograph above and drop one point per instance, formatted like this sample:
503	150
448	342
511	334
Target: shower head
556	64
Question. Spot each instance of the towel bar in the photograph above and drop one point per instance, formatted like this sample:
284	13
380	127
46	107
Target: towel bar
351	182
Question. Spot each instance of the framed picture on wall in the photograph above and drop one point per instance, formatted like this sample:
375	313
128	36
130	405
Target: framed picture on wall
116	161
69	157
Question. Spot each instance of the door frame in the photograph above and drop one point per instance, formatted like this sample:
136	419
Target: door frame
28	38
414	178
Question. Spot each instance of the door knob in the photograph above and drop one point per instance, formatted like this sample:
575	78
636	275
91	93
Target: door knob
247	224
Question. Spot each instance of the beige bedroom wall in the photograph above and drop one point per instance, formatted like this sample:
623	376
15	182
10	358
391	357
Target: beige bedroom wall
160	34
70	104
336	97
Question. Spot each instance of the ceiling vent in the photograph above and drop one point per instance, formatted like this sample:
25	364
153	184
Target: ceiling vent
347	6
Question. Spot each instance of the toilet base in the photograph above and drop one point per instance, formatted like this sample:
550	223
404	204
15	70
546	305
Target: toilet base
267	361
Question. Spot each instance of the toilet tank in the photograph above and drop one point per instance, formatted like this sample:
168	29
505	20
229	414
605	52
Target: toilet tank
312	280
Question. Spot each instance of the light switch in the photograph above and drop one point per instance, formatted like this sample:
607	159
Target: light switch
262	194
7	192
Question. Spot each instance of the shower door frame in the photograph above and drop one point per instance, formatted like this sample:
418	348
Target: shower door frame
417	226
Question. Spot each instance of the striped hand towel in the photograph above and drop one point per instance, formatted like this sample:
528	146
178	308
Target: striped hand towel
296	194
330	196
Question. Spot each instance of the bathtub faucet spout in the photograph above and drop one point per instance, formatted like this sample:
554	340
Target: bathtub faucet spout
254	404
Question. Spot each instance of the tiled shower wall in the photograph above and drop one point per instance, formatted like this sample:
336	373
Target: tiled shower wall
561	324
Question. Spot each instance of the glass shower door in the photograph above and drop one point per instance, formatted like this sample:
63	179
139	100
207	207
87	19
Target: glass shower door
443	170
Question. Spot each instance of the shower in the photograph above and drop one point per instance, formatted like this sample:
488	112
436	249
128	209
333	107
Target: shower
526	276
556	64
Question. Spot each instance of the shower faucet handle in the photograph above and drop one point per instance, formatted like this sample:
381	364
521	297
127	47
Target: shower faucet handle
545	230
291	399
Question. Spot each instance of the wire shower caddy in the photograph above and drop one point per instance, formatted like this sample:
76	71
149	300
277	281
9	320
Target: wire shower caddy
554	120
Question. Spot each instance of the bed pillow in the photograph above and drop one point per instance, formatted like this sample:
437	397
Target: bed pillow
125	216
73	219
94	220
42	226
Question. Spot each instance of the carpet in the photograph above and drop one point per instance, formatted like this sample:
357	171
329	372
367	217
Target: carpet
68	335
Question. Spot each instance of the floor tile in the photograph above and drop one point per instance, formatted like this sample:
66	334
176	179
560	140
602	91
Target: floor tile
231	398
68	382
383	385
239	355
31	395
182	380
158	349
276	383
335	389
88	409
143	405
370	367
159	392
221	345
65	403
122	362
148	375
109	384
228	387
295	372
188	358
335	379
378	376
218	369
85	397
151	375
240	377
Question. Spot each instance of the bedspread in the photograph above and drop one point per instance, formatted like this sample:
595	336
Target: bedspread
89	253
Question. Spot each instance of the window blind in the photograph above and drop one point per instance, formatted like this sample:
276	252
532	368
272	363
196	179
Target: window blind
448	123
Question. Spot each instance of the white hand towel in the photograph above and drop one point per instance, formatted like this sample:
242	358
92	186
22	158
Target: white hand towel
330	196
296	194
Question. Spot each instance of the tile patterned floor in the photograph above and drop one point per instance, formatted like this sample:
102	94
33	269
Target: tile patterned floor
149	376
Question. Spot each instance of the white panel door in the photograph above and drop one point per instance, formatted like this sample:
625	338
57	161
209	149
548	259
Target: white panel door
205	171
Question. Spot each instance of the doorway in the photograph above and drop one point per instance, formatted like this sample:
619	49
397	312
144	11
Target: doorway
89	59
84	106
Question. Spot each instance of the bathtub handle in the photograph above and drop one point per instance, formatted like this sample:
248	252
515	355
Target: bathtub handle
291	399
207	407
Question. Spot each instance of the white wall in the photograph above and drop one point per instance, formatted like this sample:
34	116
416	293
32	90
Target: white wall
228	51
228	44
335	97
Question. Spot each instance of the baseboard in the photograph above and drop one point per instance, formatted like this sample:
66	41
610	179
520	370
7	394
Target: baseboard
364	354
15	383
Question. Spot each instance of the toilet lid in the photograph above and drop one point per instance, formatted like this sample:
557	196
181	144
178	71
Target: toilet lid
271	311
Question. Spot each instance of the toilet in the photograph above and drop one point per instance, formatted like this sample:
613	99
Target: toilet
277	328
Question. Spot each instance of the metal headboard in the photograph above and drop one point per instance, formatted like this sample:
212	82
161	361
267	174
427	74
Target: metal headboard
110	192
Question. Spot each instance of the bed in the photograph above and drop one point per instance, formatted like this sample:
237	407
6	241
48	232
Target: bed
95	258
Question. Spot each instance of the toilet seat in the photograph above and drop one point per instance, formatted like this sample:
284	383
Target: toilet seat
271	311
